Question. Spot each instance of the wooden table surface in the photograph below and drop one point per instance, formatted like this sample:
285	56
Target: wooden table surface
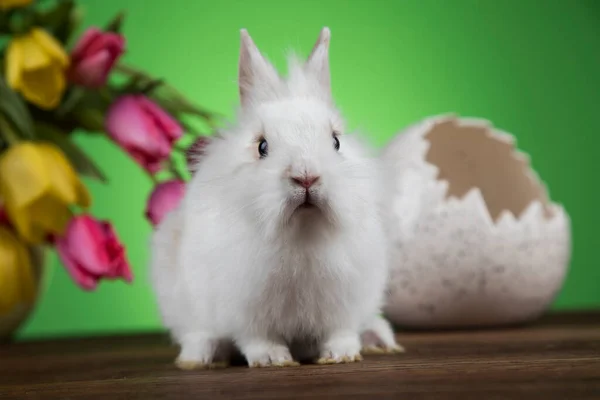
558	357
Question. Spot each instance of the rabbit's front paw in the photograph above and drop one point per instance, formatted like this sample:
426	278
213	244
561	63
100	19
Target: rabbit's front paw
341	348
199	364
261	354
202	351
378	338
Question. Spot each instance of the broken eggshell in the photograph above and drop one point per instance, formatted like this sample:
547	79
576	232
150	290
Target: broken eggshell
476	239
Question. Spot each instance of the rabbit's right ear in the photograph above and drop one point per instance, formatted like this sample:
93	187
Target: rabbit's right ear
256	76
318	61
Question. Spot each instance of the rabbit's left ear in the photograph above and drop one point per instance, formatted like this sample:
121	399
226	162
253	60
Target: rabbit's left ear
257	78
318	61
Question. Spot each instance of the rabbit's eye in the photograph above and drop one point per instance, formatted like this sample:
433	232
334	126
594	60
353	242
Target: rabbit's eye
263	148
336	142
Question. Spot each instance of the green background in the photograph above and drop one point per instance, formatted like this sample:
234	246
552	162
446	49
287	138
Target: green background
531	67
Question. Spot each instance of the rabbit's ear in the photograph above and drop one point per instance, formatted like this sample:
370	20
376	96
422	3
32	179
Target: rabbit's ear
318	61
255	72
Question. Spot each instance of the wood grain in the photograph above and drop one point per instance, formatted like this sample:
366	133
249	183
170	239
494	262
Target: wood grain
558	357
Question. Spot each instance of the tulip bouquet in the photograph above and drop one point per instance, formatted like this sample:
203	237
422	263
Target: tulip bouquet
52	89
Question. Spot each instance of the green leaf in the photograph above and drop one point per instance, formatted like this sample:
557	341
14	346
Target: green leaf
7	133
189	129
65	32
89	119
15	110
71	99
116	24
166	95
4	28
60	20
82	163
151	86
88	109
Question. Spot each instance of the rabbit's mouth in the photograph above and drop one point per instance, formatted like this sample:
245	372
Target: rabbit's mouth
308	201
307	205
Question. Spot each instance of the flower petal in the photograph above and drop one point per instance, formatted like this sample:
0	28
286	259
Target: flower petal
165	197
125	123
87	243
14	59
94	56
41	206
151	163
43	86
80	49
164	121
107	40
33	55
115	44
116	251
17	284
79	275
48	214
23	163
51	46
63	177
91	251
129	126
93	71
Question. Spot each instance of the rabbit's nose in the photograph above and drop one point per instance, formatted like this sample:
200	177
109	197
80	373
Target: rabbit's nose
304	181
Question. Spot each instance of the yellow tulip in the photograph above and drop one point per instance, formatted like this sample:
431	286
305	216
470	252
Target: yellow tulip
38	186
7	4
35	67
17	284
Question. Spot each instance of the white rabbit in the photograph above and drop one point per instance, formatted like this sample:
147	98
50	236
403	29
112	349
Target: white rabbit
278	247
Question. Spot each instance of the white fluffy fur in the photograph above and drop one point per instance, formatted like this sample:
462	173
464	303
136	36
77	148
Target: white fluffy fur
238	263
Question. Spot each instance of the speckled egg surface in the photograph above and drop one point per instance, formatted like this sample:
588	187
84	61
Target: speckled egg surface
476	240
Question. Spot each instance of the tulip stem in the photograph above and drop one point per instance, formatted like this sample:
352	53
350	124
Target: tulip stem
150	86
153	178
176	172
180	147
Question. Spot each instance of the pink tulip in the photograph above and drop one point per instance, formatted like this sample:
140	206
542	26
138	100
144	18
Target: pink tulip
164	198
143	129
94	56
91	251
195	151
